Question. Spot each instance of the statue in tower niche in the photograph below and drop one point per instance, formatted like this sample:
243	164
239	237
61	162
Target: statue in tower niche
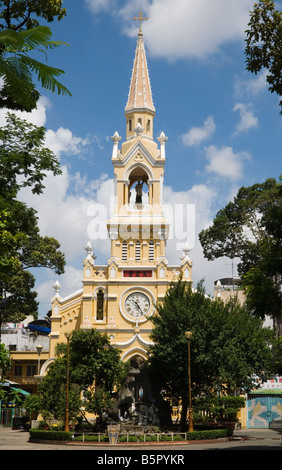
139	190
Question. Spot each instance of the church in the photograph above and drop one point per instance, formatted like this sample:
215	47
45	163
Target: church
119	298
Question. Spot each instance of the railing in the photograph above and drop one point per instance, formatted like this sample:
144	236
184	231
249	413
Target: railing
133	437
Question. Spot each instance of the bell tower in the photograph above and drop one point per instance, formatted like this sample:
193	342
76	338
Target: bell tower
138	221
120	297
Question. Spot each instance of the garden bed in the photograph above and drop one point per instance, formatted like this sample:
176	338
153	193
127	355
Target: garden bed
63	436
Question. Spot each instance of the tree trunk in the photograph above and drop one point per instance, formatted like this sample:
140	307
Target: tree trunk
183	419
277	325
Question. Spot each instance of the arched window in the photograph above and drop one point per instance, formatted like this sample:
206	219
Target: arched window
124	251
151	251
100	305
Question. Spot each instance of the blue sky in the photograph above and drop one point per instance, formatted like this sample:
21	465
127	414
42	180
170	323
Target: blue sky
223	125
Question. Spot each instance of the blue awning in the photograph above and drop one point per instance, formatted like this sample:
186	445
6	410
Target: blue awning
23	392
43	329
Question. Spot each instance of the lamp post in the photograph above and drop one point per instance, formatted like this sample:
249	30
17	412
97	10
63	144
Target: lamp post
188	336
67	418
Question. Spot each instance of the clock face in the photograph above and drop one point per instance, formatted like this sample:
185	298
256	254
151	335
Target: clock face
137	304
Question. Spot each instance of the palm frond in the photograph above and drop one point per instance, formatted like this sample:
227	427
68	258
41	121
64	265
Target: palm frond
46	75
17	67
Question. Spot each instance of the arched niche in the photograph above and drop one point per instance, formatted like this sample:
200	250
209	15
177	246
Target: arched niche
138	188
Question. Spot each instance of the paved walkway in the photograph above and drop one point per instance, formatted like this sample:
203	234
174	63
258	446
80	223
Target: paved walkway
246	439
250	434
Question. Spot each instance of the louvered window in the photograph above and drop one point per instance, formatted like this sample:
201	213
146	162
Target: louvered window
151	251
124	251
137	251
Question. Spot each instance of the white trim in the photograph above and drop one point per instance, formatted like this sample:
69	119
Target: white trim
135	352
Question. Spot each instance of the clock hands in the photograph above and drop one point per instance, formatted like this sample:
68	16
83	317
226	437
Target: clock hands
137	305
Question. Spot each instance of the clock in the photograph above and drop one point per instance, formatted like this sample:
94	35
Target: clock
137	304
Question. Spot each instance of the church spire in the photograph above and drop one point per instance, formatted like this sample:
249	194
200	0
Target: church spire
140	109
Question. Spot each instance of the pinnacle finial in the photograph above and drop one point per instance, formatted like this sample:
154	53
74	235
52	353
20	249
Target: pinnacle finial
140	18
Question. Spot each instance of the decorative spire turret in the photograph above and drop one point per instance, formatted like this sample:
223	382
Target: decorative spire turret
140	108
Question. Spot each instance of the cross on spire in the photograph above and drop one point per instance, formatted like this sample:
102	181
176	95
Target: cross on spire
140	18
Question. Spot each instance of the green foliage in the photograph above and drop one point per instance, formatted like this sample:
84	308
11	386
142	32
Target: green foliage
219	409
21	34
264	44
50	435
52	391
5	361
17	67
95	369
92	438
228	345
92	357
239	227
249	228
24	159
32	404
208	434
24	14
189	436
24	162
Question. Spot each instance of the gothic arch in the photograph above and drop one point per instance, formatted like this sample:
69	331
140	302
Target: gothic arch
105	292
137	351
138	167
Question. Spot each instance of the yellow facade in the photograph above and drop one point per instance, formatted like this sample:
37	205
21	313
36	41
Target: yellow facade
119	298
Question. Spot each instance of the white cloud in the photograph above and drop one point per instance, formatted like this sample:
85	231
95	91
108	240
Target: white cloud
37	116
196	135
245	88
204	198
70	282
96	6
225	162
247	118
63	141
62	212
187	28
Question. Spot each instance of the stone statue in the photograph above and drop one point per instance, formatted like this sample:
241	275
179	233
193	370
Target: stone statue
139	189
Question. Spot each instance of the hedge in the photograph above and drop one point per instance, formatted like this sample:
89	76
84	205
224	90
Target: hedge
50	435
190	436
208	434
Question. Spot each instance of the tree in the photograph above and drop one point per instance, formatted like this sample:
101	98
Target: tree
264	44
95	369
24	14
5	361
24	162
52	392
228	346
249	228
23	157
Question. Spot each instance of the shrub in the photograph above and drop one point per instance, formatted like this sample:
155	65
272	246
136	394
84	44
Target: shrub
219	409
124	438
50	435
209	434
150	438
